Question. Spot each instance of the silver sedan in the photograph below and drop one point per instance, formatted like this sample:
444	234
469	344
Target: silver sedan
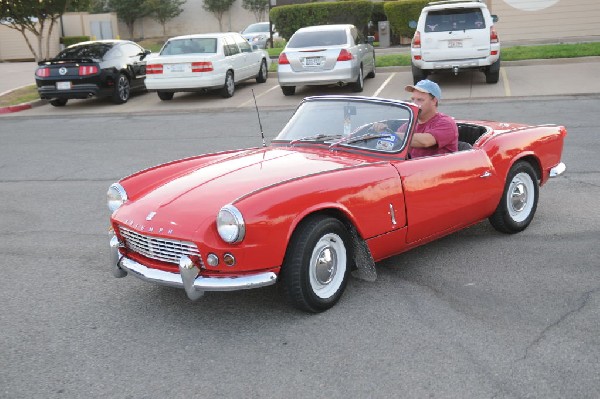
324	55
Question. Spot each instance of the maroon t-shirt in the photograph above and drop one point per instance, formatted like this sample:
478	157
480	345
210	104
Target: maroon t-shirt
445	131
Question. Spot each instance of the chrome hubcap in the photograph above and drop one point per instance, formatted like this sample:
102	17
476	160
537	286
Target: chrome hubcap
520	197
326	266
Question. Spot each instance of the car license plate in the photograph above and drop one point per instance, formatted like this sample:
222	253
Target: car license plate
63	85
455	43
312	61
178	68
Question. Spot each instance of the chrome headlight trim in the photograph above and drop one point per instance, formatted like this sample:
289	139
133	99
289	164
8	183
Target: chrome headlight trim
116	196
230	224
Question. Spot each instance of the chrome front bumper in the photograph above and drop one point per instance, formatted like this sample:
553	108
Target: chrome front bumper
188	276
558	170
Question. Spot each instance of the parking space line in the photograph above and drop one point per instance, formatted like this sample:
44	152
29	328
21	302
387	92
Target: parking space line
384	84
507	92
251	101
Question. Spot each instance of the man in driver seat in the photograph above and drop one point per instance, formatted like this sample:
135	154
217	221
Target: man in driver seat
435	133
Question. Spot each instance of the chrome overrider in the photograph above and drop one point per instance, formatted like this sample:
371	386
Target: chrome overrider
188	277
558	170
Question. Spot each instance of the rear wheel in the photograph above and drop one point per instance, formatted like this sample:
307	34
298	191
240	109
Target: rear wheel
492	73
229	86
519	200
418	74
288	90
165	95
122	90
262	73
359	85
316	265
59	102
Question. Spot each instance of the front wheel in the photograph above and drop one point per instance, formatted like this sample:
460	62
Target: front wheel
519	200
122	90
316	265
229	86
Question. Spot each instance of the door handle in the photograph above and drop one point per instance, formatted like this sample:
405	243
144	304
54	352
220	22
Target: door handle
485	174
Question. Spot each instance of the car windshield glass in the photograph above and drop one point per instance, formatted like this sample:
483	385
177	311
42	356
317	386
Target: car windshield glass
204	45
456	19
92	50
318	38
256	28
349	122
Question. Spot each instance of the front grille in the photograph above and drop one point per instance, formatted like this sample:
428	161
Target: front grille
160	249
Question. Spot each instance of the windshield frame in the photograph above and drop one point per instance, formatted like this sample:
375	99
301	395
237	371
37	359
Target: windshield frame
342	141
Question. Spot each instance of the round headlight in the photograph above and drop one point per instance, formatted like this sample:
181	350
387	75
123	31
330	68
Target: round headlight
116	196
230	224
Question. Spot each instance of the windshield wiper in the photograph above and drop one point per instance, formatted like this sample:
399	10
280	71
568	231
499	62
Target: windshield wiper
364	137
316	137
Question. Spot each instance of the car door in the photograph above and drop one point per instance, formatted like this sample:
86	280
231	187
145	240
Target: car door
445	192
135	63
234	57
362	50
252	59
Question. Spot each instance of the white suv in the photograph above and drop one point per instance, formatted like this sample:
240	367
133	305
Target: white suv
455	35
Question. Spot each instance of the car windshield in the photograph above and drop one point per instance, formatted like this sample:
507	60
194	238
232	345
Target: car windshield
454	19
257	28
349	121
318	38
91	50
206	45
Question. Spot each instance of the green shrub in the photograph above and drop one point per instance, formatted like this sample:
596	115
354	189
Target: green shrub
69	40
401	12
290	18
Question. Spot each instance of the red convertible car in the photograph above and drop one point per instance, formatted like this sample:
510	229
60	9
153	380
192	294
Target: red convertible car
328	197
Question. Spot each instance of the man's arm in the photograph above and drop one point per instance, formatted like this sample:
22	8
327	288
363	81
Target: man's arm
423	140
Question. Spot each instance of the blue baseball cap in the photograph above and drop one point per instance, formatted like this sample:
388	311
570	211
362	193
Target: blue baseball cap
426	86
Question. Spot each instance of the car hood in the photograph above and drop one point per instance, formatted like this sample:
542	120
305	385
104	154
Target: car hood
192	198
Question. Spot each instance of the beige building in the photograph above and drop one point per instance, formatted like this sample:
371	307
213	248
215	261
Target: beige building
519	21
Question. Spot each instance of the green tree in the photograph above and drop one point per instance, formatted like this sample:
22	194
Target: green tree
164	10
218	8
257	7
37	17
129	11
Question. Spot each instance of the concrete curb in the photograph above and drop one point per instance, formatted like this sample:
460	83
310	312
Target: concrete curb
20	107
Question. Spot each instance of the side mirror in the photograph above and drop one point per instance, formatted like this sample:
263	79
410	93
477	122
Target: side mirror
495	18
412	24
145	54
255	47
371	40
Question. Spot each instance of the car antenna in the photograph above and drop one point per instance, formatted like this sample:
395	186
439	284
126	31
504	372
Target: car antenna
259	124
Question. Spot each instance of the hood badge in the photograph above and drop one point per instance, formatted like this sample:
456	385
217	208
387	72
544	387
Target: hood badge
150	216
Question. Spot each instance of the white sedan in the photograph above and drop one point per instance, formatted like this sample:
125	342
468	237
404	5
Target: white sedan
205	62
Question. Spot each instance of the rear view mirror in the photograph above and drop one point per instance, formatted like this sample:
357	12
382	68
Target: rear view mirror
495	18
412	24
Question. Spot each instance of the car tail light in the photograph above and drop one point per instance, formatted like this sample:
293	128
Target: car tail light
42	72
283	60
416	41
154	69
87	70
202	66
345	55
493	35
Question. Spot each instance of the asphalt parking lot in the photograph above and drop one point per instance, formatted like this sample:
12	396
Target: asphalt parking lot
517	80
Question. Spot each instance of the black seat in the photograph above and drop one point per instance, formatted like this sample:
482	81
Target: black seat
463	146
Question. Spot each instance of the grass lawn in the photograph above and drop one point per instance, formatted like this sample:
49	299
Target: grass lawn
20	96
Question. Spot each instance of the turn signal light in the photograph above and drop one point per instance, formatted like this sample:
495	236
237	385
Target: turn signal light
345	55
153	69
493	35
283	60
